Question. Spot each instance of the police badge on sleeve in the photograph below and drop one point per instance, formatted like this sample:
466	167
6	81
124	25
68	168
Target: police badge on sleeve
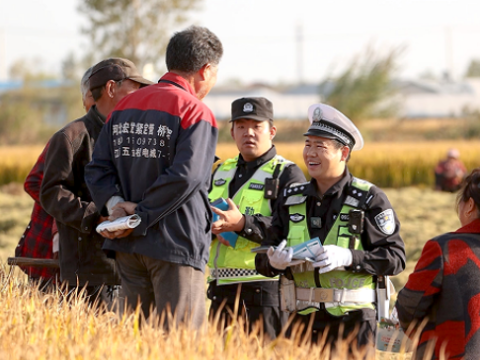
386	221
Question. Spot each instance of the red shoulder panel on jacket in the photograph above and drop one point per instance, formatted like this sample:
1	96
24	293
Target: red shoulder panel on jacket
174	100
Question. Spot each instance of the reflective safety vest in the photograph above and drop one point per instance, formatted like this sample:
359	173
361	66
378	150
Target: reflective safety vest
305	276
233	265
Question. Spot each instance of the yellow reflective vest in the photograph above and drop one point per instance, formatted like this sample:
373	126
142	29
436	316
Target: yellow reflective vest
233	265
306	277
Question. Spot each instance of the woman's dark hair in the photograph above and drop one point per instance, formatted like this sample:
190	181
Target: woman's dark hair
470	189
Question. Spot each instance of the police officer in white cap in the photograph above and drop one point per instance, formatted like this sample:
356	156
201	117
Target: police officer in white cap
358	229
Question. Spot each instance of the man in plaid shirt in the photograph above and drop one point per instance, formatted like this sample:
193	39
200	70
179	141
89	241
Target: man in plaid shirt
38	239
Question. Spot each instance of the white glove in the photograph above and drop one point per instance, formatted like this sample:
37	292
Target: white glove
114	200
332	257
280	257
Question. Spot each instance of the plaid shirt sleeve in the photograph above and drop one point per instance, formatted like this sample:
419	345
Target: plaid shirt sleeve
36	241
35	177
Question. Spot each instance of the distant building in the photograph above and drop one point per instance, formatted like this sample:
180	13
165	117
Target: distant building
438	99
47	98
415	98
290	103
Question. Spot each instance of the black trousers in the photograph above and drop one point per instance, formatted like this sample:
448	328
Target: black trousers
259	301
109	296
360	323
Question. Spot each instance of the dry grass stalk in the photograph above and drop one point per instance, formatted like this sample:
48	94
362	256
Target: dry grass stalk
35	325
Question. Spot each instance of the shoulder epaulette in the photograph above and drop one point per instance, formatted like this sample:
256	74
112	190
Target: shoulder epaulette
230	161
295	189
362	182
359	197
295	200
280	159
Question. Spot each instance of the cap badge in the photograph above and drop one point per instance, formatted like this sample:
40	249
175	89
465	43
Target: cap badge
247	107
317	114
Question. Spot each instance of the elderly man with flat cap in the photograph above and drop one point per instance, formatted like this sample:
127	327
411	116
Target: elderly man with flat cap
335	289
64	193
252	180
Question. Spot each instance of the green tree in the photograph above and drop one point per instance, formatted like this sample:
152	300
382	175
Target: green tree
29	70
138	30
31	113
70	67
473	69
365	88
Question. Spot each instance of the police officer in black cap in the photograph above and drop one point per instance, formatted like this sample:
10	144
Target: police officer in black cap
355	223
250	183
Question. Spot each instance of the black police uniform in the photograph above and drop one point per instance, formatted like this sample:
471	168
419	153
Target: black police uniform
259	299
383	254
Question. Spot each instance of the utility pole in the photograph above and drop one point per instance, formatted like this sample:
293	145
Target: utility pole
299	42
449	53
3	65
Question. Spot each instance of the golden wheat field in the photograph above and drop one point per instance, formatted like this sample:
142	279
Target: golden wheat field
38	326
390	165
50	326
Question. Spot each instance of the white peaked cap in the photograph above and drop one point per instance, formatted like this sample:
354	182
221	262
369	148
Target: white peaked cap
330	123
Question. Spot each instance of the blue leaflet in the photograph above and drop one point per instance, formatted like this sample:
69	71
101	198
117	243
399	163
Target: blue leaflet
230	236
306	251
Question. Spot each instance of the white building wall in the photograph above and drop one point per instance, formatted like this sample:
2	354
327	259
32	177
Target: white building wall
438	105
290	107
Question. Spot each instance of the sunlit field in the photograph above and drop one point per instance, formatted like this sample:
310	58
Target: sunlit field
50	326
384	164
16	162
387	164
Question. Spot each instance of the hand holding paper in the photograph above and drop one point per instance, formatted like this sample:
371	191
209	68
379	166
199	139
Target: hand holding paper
280	257
304	252
226	217
121	223
332	257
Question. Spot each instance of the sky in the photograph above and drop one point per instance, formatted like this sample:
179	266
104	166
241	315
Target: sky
274	41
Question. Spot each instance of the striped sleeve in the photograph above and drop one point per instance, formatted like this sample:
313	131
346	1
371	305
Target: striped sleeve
415	300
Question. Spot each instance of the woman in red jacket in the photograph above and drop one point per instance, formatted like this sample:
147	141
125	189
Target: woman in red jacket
445	286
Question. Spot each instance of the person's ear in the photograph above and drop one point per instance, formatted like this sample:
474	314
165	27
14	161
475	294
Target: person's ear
205	71
232	131
273	132
110	88
470	208
345	153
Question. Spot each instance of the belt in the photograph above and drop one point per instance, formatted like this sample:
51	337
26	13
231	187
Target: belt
321	295
230	273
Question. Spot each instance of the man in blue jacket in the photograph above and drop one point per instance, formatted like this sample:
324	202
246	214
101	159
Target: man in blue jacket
154	158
